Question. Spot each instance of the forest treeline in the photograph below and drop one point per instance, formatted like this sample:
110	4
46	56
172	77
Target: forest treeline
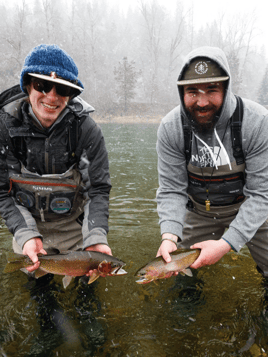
144	46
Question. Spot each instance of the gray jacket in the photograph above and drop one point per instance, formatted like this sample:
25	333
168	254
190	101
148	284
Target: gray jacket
172	194
47	151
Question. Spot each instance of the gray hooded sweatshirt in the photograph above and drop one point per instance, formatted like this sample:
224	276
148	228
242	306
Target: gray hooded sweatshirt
172	194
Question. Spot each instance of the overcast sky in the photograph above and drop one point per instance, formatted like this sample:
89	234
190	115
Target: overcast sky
207	10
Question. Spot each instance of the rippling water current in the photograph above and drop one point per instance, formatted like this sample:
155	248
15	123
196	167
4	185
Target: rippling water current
221	311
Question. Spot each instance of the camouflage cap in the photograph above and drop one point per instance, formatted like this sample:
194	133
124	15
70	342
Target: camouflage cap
202	70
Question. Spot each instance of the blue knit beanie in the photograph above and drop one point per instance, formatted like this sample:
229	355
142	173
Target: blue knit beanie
45	59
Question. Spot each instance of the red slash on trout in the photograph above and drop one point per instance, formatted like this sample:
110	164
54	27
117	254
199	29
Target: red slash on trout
69	263
181	259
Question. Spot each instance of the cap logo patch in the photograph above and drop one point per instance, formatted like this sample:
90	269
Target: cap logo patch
53	75
201	67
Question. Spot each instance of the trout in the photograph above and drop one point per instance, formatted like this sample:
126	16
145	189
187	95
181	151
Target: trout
68	263
181	259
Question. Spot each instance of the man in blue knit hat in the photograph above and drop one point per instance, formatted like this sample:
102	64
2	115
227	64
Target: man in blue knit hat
54	177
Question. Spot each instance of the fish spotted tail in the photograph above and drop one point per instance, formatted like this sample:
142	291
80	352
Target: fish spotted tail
15	262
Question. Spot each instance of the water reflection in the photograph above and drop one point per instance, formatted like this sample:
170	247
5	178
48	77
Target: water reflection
221	311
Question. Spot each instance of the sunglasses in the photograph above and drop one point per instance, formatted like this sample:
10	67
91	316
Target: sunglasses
43	86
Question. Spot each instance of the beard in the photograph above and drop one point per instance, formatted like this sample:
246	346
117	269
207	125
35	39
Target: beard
196	120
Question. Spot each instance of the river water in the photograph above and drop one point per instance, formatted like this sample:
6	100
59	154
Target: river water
221	311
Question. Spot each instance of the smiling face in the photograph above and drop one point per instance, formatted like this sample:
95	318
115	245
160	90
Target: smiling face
47	106
203	102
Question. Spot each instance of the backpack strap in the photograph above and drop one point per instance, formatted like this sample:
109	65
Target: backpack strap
236	124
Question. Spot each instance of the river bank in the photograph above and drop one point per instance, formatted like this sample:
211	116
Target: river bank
130	119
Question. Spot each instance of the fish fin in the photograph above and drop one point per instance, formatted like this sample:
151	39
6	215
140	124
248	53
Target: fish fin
66	281
93	277
38	273
187	271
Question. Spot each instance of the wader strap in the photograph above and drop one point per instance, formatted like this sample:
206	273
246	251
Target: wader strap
236	124
73	140
188	137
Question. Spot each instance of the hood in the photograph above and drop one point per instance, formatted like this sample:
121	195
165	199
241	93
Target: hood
76	105
217	55
80	107
19	109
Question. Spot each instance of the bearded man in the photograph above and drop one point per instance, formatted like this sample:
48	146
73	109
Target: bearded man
213	167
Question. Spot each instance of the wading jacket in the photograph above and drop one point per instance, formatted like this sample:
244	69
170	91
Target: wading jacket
24	143
212	165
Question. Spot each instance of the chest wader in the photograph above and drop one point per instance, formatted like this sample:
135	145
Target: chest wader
225	186
48	197
225	190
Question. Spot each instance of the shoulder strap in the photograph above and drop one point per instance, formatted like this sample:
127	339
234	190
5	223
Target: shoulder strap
73	140
188	137
236	124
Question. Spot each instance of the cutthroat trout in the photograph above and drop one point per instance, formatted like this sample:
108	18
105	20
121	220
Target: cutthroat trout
69	263
181	259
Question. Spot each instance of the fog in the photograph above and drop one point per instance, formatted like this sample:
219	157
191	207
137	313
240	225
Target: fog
144	41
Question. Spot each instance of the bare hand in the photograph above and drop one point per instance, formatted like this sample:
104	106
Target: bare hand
165	248
211	252
102	248
31	248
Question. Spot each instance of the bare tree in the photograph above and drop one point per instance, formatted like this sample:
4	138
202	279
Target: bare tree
154	16
14	36
235	36
237	43
51	18
176	40
16	41
97	35
263	90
